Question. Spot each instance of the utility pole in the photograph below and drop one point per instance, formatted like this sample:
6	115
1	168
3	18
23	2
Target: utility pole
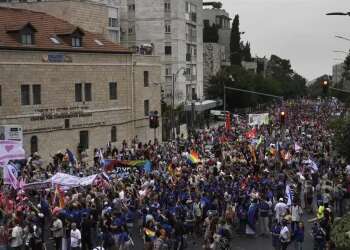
224	97
173	109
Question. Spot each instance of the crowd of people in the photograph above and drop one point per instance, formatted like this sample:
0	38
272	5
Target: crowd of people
261	181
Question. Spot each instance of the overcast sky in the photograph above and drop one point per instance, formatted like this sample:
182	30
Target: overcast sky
297	30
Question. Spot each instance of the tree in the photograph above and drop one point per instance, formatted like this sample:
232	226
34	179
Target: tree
235	43
341	138
340	233
246	55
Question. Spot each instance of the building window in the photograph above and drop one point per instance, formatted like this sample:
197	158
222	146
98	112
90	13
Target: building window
27	39
84	140
66	123
131	7
0	96
113	134
78	92
36	94
76	42
167	28
33	144
25	95
145	78
146	107
167	7
114	35
113	94
131	30
167	50
168	70
87	92
112	22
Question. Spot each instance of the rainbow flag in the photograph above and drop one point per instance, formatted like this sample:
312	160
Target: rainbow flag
134	163
194	157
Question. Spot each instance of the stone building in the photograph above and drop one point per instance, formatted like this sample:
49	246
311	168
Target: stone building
97	16
69	88
214	59
173	30
221	19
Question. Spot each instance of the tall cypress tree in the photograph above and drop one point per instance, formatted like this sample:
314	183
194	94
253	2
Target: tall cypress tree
235	43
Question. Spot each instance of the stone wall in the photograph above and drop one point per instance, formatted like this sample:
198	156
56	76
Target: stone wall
47	120
213	59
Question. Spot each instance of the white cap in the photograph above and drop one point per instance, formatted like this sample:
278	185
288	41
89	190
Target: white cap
281	199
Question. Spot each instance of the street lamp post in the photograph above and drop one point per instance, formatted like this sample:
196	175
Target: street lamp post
173	103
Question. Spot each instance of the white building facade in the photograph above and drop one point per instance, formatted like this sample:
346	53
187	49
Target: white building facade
173	30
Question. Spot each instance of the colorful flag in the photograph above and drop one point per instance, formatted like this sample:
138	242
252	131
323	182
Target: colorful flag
148	167
170	169
72	159
10	176
60	194
228	121
193	157
297	148
251	134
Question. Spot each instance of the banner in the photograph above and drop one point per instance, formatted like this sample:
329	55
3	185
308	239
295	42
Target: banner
258	119
10	150
66	180
10	176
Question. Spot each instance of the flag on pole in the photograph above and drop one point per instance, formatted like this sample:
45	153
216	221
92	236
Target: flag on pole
71	157
289	195
10	176
228	121
193	157
297	148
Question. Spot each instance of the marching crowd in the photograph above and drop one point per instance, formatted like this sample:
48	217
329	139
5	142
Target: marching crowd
207	189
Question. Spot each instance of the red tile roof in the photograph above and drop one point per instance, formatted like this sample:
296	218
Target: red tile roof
46	27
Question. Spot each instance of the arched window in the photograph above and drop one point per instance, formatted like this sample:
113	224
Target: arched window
33	144
113	134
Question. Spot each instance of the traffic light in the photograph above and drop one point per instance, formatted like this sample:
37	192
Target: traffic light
153	119
325	86
283	117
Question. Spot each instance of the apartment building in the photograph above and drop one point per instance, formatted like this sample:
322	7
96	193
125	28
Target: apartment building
173	30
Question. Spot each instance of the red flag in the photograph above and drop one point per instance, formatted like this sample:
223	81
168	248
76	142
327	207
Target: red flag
228	121
251	134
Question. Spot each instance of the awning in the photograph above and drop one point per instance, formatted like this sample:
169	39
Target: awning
202	105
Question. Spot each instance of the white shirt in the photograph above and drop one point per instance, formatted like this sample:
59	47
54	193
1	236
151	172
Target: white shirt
17	237
284	234
296	212
347	169
75	238
280	209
